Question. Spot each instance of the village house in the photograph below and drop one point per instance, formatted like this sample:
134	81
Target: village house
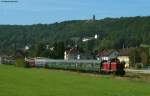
107	55
124	55
70	54
75	54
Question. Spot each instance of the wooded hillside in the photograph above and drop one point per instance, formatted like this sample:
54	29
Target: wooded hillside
113	33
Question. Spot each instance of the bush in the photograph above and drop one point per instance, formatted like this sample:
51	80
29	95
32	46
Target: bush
27	65
20	63
139	65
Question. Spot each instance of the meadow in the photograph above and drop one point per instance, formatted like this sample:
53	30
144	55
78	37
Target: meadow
45	82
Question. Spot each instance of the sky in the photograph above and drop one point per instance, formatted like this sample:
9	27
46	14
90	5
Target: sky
27	12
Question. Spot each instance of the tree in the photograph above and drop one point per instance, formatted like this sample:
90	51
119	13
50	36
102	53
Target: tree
40	50
20	58
59	49
135	57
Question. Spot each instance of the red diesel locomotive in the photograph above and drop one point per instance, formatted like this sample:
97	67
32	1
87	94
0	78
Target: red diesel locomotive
113	66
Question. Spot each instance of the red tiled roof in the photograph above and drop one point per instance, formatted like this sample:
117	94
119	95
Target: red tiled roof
72	51
105	53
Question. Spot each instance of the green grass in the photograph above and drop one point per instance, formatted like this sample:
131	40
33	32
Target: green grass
43	82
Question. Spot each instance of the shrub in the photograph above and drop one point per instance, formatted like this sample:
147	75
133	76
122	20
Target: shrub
139	65
20	63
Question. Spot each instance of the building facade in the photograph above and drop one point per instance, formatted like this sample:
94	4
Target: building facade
126	59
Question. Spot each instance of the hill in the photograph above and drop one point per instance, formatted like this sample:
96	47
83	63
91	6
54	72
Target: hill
113	33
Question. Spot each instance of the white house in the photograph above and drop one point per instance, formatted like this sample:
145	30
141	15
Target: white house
74	54
89	38
107	55
124	55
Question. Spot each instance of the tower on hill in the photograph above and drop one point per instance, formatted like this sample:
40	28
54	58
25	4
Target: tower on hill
94	18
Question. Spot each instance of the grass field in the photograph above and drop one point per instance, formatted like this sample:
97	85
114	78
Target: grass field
43	82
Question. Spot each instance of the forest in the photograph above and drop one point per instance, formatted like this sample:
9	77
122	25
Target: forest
113	33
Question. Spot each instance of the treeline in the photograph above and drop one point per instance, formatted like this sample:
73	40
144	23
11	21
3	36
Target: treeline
114	33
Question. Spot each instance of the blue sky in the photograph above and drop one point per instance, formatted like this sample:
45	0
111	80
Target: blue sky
50	11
